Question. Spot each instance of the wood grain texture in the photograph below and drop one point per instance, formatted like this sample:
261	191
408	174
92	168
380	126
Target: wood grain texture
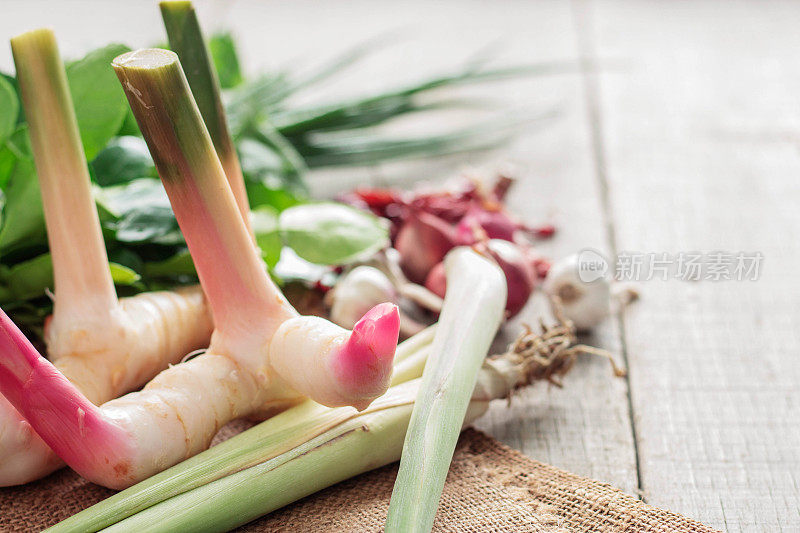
700	152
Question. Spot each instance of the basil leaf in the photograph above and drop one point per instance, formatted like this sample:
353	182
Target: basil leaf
100	104
124	159
331	233
226	61
9	109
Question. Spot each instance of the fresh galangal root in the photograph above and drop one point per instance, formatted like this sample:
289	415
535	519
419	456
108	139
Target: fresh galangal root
104	346
261	351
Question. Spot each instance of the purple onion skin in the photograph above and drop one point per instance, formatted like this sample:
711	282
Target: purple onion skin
423	241
516	265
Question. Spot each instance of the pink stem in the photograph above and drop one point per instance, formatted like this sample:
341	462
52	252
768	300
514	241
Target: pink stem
69	423
240	292
363	364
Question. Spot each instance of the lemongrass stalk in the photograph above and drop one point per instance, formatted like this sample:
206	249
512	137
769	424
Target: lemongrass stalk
186	40
265	441
357	444
366	441
457	354
80	266
238	288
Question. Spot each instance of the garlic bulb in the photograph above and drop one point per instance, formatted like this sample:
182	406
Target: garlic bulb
357	292
585	303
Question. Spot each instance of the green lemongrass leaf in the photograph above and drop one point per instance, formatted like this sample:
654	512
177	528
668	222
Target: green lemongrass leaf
331	233
226	60
9	109
100	105
292	163
277	435
476	290
339	63
349	149
255	100
331	116
293	123
273	164
124	159
264	221
252	102
368	440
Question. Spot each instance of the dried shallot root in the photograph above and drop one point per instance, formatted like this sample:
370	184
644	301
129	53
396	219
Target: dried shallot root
550	353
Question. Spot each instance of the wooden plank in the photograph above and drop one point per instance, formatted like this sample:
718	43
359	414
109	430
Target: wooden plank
700	137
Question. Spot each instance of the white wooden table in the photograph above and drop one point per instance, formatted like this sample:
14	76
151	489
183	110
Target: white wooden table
680	131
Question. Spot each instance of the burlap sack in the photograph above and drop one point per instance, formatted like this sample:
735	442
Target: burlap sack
490	488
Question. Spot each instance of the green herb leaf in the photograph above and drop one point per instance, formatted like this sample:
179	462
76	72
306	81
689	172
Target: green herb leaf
264	221
124	159
226	61
143	212
9	109
332	234
179	264
29	279
23	216
269	192
123	275
100	104
32	278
